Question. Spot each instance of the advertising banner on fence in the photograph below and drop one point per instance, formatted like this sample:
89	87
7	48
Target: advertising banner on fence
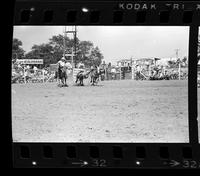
30	61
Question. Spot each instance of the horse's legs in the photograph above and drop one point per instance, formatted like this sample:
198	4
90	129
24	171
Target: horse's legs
66	82
82	81
93	80
62	81
58	81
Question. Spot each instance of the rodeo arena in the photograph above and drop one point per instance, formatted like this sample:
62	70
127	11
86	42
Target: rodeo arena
133	100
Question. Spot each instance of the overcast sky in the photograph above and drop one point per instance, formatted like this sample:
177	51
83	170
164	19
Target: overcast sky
116	42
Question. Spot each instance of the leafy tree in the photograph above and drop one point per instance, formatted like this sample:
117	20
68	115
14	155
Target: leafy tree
43	51
57	42
96	56
86	52
52	51
17	51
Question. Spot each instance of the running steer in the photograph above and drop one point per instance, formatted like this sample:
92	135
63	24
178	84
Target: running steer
81	76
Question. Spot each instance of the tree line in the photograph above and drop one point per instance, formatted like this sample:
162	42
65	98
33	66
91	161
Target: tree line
52	51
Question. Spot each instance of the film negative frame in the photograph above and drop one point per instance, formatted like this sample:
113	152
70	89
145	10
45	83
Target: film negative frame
115	155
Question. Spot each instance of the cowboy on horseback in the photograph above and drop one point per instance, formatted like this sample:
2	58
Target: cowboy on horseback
62	71
94	75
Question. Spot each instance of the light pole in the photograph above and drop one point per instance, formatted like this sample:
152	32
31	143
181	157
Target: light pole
75	42
64	44
179	64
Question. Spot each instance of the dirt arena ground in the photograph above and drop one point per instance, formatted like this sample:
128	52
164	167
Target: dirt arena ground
113	111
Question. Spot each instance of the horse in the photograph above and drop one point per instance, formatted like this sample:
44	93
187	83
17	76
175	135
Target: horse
81	76
102	74
94	75
62	73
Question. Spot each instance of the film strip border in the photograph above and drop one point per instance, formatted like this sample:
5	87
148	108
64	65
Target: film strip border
95	155
135	155
107	13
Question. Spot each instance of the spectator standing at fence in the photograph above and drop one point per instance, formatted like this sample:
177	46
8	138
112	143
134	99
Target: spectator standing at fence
98	68
113	72
35	69
25	74
19	66
138	69
154	72
45	71
68	65
28	67
81	65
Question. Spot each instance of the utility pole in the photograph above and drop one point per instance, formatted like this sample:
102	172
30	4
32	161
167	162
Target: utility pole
132	69
64	44
75	42
179	64
74	32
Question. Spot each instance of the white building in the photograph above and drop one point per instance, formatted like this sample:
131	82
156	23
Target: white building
124	63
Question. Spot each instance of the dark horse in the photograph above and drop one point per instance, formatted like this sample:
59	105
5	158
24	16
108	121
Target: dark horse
94	75
81	76
62	75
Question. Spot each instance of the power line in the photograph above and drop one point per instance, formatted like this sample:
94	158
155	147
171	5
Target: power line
179	63
73	31
177	50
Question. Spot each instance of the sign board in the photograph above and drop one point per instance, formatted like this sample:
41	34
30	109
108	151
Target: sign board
30	61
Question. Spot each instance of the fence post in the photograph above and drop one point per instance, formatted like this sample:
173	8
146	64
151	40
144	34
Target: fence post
132	72
120	73
24	76
106	76
43	75
179	70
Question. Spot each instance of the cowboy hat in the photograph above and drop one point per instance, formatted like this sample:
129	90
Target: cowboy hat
63	59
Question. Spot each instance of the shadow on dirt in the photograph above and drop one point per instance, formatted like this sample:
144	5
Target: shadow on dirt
86	85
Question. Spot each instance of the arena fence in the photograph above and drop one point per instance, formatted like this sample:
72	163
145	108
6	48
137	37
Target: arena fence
42	76
172	74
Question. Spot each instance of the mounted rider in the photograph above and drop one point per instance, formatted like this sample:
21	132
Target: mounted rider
63	68
60	64
94	74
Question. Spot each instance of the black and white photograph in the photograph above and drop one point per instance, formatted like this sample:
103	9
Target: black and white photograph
105	84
